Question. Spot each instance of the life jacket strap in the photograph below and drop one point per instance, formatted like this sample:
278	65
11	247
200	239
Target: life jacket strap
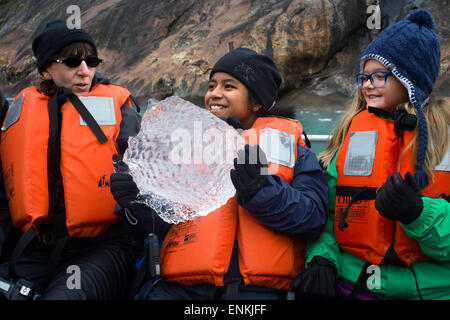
54	259
417	284
360	282
402	119
357	194
307	142
232	288
442	195
233	278
21	245
88	118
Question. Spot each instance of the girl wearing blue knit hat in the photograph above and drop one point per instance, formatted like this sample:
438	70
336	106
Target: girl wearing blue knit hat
388	169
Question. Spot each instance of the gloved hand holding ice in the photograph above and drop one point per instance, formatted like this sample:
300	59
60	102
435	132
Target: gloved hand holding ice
181	160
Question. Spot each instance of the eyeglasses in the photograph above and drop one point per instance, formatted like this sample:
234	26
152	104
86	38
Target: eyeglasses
377	79
73	61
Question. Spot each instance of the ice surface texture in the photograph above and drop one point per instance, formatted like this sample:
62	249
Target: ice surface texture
181	160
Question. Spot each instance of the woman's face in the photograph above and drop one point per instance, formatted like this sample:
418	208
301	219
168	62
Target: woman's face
388	97
77	79
228	97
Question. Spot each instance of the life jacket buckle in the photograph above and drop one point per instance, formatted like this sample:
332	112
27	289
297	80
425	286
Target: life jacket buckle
47	238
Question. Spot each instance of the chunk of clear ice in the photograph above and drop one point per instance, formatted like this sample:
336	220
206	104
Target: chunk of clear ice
181	160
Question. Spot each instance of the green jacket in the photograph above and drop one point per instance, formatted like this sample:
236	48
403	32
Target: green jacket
431	230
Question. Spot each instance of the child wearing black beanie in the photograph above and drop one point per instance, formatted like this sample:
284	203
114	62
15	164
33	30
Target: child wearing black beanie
56	36
253	246
256	71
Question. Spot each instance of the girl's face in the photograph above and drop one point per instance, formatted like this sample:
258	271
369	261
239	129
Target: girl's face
228	97
386	98
77	79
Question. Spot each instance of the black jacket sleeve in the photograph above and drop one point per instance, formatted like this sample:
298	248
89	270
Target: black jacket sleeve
5	219
298	208
6	227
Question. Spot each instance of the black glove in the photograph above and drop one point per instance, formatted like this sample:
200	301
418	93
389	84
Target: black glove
399	199
232	121
123	187
316	282
247	176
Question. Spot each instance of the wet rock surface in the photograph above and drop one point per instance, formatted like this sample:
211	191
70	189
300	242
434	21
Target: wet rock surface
160	48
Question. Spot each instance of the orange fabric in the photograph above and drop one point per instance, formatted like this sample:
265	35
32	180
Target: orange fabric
199	251
266	258
85	164
369	235
408	249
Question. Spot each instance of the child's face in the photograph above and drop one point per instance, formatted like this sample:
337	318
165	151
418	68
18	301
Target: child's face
386	98
77	79
228	97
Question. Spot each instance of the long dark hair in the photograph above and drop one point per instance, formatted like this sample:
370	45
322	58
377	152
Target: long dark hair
48	87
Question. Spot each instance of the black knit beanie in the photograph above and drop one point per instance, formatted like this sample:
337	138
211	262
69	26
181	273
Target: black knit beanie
55	37
256	71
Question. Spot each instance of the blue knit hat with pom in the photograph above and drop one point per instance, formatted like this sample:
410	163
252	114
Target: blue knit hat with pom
411	50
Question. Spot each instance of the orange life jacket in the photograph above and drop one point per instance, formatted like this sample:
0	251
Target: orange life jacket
199	251
85	165
368	156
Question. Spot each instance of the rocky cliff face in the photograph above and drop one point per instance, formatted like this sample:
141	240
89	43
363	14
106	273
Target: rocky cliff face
164	47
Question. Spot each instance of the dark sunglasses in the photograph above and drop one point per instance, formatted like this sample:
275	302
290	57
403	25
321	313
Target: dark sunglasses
73	61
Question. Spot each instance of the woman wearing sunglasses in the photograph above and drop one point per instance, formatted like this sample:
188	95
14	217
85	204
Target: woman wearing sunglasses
57	143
